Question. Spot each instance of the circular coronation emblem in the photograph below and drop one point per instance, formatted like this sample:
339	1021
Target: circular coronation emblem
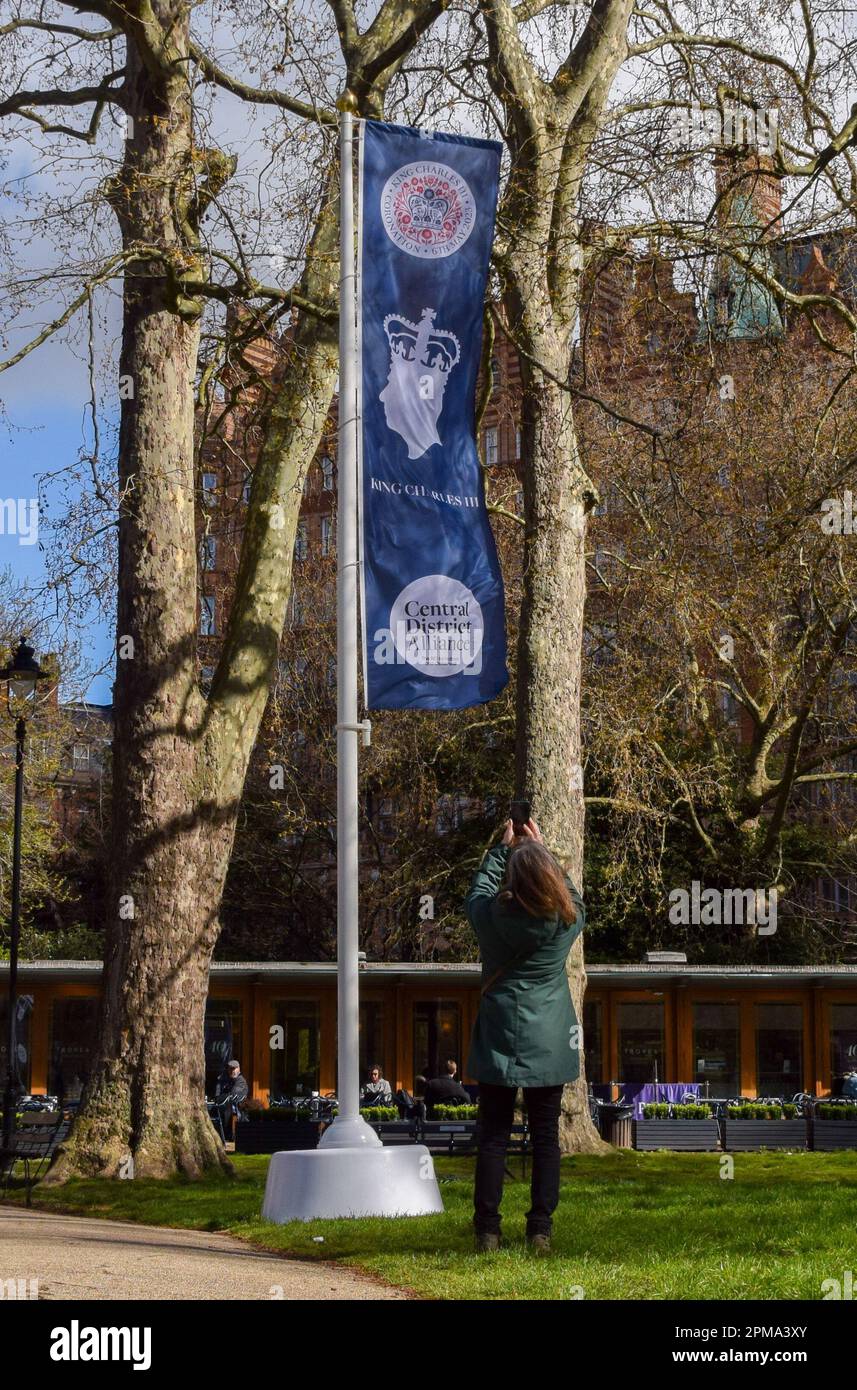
427	209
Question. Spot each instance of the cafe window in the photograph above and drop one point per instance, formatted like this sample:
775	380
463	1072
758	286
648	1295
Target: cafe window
437	1036
223	1041
74	1025
717	1048
779	1049
593	1041
843	1038
641	1042
295	1047
372	1038
21	1069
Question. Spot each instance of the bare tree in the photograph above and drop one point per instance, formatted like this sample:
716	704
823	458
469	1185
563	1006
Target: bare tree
180	757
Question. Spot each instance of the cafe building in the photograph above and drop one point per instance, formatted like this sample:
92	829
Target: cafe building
736	1030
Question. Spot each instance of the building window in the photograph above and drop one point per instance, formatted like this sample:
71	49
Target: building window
386	815
327	474
331	672
496	377
206	676
491	446
728	704
80	757
593	1041
295	1058
326	535
223	1039
517	446
73	1028
833	894
208	552
301	541
717	1048
207	615
843	1039
449	815
641	1042
519	502
779	1049
296	614
248	483
437	1036
599	642
209	489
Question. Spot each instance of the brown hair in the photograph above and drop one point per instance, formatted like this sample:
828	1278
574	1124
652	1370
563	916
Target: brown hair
536	881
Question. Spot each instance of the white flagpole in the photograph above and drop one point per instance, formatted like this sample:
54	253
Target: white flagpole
349	1128
350	1173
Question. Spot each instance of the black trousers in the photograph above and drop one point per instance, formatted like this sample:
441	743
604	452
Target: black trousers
493	1128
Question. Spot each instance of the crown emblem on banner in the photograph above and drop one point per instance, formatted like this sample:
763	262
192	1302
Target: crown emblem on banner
421	359
428	210
427	347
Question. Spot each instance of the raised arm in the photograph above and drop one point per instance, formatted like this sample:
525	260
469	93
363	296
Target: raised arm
487	882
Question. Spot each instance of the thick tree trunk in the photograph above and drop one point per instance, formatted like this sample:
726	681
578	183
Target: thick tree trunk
145	1099
180	761
549	657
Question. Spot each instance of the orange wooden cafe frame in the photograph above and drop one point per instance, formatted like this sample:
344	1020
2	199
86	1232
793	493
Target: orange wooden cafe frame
407	1000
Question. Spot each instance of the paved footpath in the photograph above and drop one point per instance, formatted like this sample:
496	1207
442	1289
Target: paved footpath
82	1257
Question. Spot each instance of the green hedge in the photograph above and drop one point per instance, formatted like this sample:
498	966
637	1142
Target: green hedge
836	1112
376	1113
455	1112
750	1111
662	1110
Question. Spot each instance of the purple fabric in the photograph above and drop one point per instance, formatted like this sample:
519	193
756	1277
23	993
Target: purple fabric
638	1094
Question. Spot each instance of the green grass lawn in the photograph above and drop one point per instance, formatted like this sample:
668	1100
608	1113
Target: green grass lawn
629	1226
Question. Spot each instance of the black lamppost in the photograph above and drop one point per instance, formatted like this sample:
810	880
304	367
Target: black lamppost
21	676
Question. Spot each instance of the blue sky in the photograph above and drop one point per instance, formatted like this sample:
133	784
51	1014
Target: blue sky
47	432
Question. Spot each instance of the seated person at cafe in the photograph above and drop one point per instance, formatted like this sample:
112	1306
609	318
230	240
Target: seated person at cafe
232	1091
445	1090
377	1091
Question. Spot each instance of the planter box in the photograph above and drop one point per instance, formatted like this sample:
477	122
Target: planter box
274	1136
830	1135
743	1136
689	1136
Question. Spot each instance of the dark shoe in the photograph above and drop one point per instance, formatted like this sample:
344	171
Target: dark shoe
487	1242
539	1243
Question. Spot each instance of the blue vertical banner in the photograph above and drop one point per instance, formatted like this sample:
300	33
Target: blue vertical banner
434	632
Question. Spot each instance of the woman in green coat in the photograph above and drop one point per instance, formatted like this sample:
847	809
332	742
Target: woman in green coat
526	914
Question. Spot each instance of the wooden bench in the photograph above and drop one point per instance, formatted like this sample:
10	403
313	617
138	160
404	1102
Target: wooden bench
33	1144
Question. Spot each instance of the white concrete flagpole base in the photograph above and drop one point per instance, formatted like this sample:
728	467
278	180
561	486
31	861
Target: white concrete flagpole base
325	1183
